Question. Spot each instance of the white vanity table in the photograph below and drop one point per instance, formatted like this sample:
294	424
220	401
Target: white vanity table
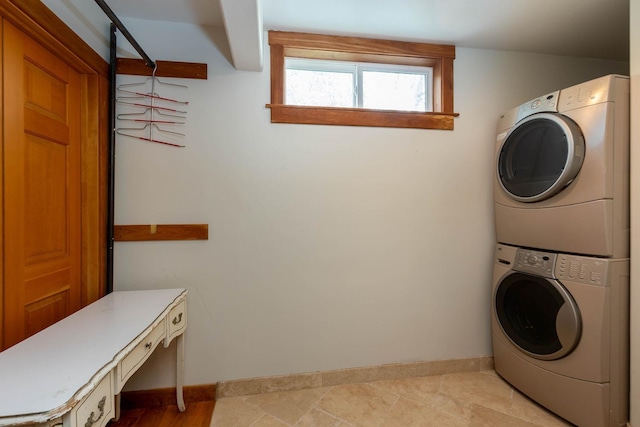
71	374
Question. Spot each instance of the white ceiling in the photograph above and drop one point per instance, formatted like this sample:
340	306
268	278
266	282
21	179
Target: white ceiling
585	28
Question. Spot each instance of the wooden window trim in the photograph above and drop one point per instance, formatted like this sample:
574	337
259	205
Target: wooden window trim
313	46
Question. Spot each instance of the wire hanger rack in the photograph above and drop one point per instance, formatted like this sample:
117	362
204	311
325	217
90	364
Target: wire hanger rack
155	115
145	115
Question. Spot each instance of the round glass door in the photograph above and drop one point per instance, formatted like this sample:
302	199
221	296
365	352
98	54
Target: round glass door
540	156
538	315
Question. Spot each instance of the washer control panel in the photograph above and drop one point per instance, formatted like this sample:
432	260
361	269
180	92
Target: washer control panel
591	271
535	262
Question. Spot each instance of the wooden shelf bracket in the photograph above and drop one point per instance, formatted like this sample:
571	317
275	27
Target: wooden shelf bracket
154	232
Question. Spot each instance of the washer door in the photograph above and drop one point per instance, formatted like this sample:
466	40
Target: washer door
540	156
538	315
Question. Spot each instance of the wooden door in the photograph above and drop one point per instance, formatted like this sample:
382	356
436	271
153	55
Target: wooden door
42	187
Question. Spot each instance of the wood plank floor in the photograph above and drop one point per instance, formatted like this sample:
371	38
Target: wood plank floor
197	414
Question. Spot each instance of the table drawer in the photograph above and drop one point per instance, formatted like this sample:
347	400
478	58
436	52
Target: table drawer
177	321
140	353
97	408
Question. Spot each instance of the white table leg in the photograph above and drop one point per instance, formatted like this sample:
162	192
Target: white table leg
180	371
117	404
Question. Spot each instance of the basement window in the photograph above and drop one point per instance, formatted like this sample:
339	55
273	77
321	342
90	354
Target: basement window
314	82
353	81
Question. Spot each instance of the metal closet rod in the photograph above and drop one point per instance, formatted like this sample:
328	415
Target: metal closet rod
112	16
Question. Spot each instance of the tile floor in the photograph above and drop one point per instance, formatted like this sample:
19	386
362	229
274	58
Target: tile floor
473	399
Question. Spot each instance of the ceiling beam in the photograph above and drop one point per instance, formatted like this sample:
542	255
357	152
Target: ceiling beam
243	24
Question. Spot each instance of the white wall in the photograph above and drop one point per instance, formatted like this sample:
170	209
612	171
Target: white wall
87	19
329	247
635	210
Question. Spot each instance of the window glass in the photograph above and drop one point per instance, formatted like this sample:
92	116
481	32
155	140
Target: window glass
320	88
394	91
361	85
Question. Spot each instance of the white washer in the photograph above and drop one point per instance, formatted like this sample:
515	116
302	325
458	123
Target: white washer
562	171
560	332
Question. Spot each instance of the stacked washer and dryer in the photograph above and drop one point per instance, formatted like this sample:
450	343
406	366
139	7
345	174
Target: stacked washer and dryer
560	306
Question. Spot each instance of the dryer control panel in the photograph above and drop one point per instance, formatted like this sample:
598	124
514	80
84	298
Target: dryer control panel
590	271
535	262
545	103
589	93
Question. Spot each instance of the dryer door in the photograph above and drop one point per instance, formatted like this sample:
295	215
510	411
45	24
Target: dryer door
538	315
540	156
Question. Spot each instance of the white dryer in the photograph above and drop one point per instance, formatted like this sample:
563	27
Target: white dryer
560	332
562	171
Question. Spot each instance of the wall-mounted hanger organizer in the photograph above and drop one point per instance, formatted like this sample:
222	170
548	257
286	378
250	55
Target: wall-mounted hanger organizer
153	113
156	112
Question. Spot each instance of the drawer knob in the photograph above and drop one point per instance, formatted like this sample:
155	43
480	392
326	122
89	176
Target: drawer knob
91	421
148	345
177	319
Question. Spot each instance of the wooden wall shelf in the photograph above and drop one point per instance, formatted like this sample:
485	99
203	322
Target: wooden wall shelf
186	70
149	232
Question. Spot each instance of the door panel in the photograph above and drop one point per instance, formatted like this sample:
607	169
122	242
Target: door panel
46	200
42	187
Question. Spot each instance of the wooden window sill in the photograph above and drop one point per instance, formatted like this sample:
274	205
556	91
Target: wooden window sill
281	113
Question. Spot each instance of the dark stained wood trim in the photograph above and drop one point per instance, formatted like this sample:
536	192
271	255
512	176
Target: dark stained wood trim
136	233
186	70
166	396
360	117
